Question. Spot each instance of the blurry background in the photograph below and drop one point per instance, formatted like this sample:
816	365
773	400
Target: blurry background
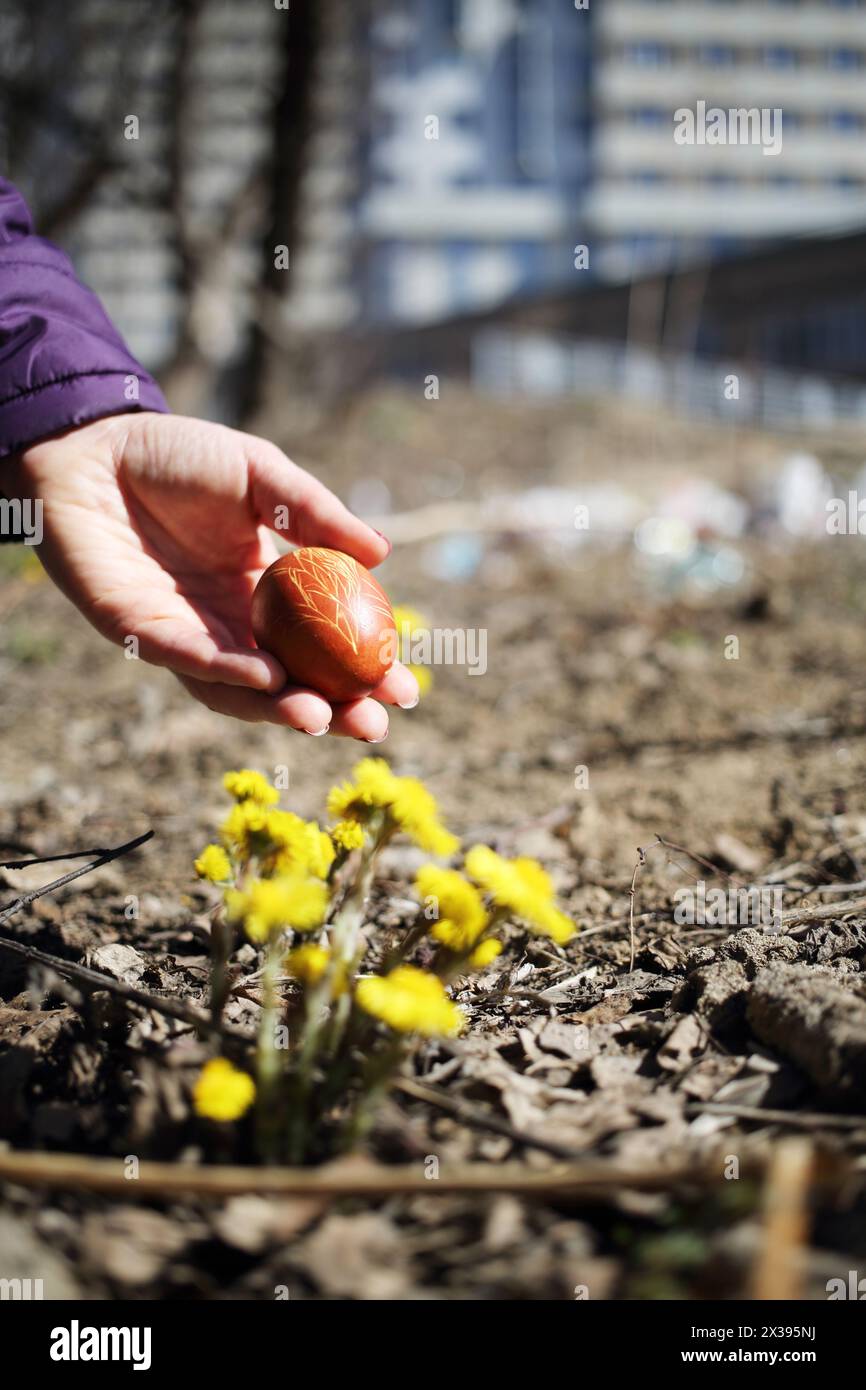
598	386
449	254
431	166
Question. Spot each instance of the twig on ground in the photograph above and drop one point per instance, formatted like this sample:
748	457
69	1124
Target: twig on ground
596	1180
94	979
795	1119
477	1119
53	858
104	858
836	887
699	859
641	861
796	916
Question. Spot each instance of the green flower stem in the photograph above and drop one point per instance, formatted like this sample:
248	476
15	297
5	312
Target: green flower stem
345	931
222	940
416	933
268	1065
375	1082
323	1025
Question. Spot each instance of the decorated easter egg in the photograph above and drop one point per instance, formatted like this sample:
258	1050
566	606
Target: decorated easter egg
327	621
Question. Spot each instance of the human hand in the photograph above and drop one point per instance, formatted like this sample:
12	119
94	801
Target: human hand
155	526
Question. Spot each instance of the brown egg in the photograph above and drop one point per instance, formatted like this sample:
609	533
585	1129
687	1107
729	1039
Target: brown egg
327	621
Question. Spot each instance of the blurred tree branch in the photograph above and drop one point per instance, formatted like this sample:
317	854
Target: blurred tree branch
291	123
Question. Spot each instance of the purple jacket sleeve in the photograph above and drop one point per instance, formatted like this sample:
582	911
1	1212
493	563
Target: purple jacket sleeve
62	362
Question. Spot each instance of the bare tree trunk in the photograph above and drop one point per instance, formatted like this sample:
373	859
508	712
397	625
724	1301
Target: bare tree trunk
290	129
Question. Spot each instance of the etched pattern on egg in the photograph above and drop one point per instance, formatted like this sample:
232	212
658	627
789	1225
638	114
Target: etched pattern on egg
330	588
327	621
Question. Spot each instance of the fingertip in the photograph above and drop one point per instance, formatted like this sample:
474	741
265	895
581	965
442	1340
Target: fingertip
387	544
305	711
267	673
363	543
399	687
364	720
257	670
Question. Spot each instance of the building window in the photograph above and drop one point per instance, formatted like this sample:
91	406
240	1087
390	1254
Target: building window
647	54
780	56
650	116
845	58
844	120
717	55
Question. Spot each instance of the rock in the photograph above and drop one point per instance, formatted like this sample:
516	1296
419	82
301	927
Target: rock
27	1258
717	992
121	962
741	857
253	1223
718	979
812	1017
683	1045
360	1256
131	1245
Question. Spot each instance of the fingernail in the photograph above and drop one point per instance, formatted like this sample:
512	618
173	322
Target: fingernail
317	733
383	537
412	703
373	740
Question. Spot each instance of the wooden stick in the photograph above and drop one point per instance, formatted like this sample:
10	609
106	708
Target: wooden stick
479	1119
104	858
780	1265
53	858
94	980
345	1179
794	916
641	861
795	1119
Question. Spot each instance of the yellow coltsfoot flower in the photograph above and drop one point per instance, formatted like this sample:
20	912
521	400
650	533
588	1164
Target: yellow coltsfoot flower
374	787
269	905
410	1000
484	954
405	802
248	785
461	915
243	831
410	618
299	846
213	864
409	624
222	1092
308	963
522	886
349	834
415	811
281	840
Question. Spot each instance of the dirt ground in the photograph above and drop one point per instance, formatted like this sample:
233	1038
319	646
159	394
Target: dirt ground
609	717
